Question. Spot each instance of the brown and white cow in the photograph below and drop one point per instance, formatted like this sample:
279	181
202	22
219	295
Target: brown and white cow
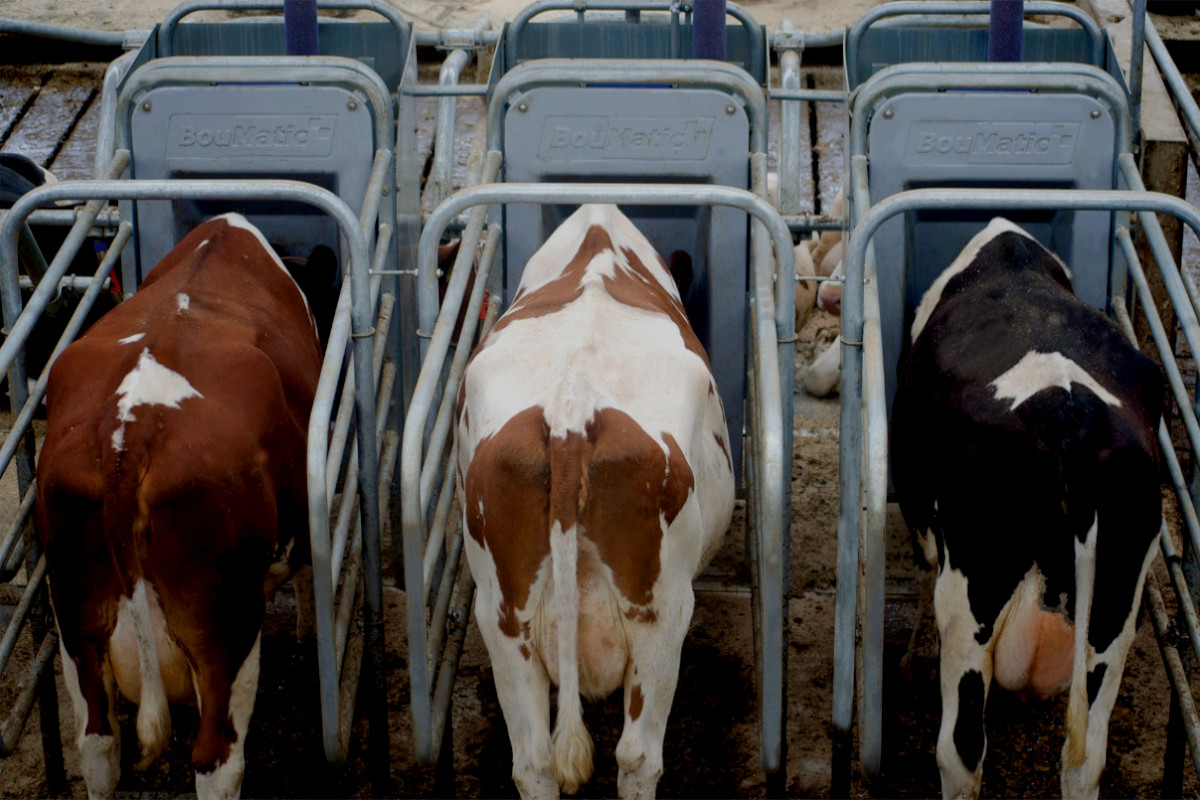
594	456
1025	460
171	479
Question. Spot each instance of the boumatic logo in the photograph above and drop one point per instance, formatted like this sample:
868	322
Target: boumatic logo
625	137
206	135
993	142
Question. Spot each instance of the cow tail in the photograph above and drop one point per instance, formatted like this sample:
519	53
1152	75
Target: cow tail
1075	746
121	524
154	715
571	741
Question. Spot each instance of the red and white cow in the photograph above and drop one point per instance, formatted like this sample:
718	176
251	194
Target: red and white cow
1025	460
171	479
598	482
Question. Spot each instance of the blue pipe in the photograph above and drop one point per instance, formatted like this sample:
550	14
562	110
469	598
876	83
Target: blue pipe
708	29
300	27
1004	30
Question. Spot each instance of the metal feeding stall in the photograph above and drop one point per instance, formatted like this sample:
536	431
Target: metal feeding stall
313	149
665	115
1046	141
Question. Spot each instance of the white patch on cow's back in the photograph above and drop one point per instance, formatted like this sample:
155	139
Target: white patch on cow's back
149	383
929	302
1036	372
137	337
182	303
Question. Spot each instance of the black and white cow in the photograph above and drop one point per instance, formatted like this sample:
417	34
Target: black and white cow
1026	465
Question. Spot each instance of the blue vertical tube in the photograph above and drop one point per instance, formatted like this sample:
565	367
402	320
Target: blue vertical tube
708	29
1004	30
300	27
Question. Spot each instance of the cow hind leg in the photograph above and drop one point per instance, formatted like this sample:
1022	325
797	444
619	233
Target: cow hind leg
1104	670
650	681
93	695
523	689
966	676
225	709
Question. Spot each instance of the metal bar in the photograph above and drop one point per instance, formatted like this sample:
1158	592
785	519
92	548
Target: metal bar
17	527
1187	609
350	485
105	142
809	95
448	38
25	418
1136	58
805	223
1032	7
874	543
1180	285
166	31
64	33
1176	672
27	689
1173	79
849	476
583	71
348	595
108	217
20	326
443	137
441	518
458	90
1187	508
788	201
446	411
441	606
21	613
775	524
452	653
427	282
374	193
1161	341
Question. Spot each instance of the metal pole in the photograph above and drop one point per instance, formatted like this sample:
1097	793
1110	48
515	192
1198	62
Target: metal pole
1136	57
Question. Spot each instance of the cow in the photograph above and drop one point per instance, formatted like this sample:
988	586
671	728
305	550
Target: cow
171	482
595	468
1026	466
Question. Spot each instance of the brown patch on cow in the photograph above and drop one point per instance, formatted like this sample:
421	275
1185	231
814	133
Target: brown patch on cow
711	390
526	653
724	449
647	293
635	703
630	484
563	290
642	614
510	475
